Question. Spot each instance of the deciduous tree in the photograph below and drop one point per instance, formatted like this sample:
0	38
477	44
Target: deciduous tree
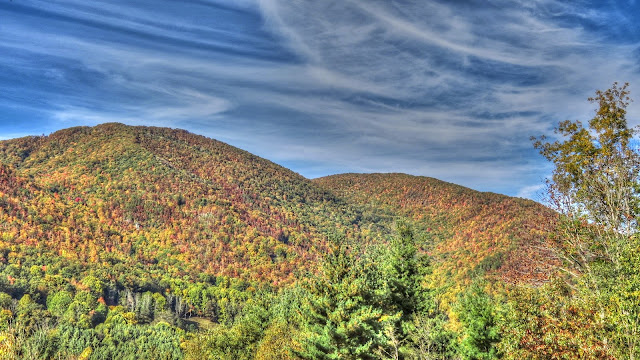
596	185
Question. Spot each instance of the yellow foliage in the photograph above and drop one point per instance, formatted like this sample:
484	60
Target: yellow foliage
85	354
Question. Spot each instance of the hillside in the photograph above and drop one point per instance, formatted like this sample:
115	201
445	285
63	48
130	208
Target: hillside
468	232
159	243
162	199
170	202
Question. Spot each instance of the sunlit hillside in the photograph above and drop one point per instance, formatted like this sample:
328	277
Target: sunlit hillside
150	225
468	232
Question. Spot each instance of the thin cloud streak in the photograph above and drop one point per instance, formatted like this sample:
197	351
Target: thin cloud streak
442	89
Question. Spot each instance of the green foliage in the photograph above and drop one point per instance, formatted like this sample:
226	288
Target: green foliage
404	296
618	298
596	186
403	276
5	300
93	284
58	302
237	341
138	242
343	321
480	334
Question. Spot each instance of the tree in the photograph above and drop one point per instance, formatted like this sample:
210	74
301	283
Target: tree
540	323
431	339
596	186
405	295
403	273
277	342
596	168
342	319
480	334
58	302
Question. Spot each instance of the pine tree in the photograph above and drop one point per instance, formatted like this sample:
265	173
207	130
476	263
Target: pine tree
480	334
418	326
342	319
403	274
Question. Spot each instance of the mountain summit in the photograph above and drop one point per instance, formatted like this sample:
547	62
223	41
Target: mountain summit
168	202
163	199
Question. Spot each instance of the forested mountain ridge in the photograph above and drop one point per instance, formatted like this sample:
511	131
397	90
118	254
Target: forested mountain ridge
159	243
469	232
162	196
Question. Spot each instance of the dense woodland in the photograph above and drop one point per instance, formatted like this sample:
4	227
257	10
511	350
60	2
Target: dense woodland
153	243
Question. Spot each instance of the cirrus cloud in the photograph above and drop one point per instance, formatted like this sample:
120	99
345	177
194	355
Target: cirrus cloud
439	88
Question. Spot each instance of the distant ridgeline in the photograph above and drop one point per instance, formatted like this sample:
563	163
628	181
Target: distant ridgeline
155	224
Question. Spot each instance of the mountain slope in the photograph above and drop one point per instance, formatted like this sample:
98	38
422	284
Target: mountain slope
170	203
468	232
163	199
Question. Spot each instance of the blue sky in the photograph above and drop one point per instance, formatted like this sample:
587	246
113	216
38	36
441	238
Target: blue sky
448	89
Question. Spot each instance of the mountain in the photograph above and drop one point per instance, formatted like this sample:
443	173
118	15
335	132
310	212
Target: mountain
171	203
164	201
159	243
467	232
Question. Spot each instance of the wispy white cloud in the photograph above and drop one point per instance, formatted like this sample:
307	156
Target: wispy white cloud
532	192
456	70
444	89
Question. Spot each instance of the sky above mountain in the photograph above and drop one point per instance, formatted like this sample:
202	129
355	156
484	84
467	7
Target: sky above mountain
448	89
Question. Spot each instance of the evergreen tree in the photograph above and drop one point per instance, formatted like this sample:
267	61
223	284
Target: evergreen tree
405	271
402	289
480	334
342	319
403	275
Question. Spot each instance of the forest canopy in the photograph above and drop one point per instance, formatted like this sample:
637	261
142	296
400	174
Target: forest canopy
152	243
